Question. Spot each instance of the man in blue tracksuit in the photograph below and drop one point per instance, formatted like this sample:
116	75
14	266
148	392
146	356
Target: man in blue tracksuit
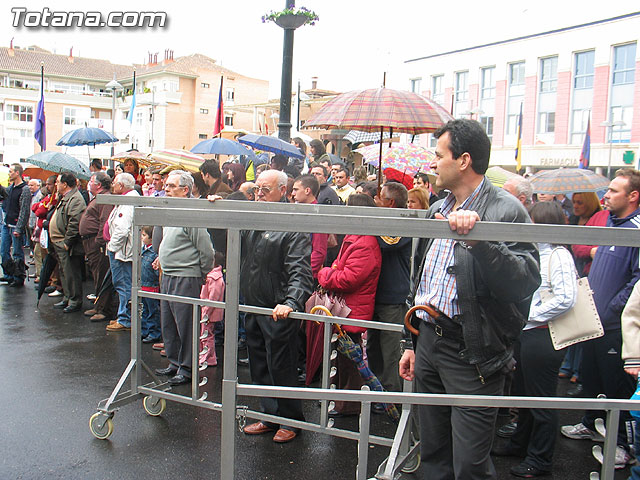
613	274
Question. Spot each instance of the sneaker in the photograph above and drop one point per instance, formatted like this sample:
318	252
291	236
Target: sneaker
91	297
56	293
580	432
49	289
623	458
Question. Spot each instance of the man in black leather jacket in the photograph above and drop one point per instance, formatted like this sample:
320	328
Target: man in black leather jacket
480	294
275	272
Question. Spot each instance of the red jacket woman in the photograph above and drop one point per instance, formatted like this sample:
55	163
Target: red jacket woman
354	274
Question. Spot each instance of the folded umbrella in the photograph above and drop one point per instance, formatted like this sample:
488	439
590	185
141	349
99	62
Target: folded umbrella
48	266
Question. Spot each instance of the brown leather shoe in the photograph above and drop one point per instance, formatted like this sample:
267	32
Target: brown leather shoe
98	317
117	327
257	429
284	436
89	313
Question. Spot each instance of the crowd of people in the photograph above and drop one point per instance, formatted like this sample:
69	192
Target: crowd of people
483	329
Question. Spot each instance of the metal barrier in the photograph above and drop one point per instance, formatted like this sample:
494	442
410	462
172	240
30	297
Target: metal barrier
236	216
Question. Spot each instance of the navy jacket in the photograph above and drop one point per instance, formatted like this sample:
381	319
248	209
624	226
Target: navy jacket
613	274
395	282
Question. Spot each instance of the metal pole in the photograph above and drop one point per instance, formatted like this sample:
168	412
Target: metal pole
113	117
230	374
609	164
153	115
284	124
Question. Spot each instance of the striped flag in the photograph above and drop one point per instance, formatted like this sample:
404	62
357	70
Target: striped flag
519	142
219	125
40	128
585	155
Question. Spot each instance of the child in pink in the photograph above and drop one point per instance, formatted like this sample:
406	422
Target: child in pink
213	289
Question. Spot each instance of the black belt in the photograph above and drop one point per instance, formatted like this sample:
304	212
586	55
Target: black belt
444	326
87	237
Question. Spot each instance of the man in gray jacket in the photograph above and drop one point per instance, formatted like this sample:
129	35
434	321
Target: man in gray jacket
186	257
478	293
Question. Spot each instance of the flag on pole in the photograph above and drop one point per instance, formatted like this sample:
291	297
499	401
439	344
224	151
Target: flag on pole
519	142
219	125
585	155
40	128
133	100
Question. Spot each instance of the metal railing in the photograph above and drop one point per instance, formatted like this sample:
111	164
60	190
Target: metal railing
236	216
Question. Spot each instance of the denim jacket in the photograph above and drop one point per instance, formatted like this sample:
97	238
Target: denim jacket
148	276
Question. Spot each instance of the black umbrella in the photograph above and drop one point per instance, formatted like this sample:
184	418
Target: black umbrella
105	286
48	266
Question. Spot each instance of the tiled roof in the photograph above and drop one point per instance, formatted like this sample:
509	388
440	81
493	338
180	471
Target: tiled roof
29	61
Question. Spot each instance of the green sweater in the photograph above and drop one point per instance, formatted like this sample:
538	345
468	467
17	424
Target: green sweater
186	252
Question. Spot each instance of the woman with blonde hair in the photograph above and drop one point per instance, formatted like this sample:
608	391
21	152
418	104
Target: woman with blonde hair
418	199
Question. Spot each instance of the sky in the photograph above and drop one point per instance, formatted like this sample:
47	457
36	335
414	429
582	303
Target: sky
352	45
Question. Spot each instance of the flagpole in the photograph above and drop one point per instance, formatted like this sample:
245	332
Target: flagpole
42	147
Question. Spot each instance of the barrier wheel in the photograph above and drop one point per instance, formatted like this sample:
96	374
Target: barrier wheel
99	431
154	406
412	464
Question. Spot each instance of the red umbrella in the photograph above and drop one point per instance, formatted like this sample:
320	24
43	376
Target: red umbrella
377	109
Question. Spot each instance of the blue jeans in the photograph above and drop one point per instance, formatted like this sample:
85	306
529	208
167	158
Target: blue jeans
150	318
11	250
121	277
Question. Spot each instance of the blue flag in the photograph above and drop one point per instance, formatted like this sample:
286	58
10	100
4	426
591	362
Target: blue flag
586	147
133	100
40	127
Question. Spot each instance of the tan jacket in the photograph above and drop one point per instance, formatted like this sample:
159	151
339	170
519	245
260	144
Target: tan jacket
68	212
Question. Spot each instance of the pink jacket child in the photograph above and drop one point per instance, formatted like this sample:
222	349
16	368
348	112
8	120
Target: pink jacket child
213	289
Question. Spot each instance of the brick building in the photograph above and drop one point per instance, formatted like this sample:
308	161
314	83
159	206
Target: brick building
176	100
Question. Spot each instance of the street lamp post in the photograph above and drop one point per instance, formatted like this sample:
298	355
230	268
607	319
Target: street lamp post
610	124
114	86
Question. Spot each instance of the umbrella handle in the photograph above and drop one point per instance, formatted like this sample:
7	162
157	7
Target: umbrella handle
323	309
412	310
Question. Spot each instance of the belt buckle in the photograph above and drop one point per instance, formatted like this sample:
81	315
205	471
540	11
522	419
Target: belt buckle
438	329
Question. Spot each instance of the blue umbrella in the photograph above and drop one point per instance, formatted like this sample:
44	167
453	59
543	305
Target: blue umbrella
271	144
222	146
60	163
86	136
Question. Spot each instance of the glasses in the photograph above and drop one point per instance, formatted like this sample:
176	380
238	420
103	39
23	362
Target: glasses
265	190
170	186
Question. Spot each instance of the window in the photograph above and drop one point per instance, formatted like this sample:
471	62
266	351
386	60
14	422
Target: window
139	118
18	113
487	123
14	136
515	83
546	122
228	120
204	85
204	111
231	94
583	72
488	85
437	92
516	73
462	89
624	64
414	85
71	116
202	136
548	74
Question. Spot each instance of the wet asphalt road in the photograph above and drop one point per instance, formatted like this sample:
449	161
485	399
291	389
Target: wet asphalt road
57	367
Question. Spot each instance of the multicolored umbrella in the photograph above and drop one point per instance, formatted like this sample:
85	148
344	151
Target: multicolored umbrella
376	109
357	136
498	175
130	155
404	157
568	180
60	163
187	160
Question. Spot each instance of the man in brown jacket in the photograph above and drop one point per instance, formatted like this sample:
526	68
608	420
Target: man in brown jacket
91	228
65	236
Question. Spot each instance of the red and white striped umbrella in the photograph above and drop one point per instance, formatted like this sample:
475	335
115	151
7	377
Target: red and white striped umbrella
189	161
378	109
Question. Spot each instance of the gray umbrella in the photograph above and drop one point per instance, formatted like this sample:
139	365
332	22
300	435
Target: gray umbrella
60	163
